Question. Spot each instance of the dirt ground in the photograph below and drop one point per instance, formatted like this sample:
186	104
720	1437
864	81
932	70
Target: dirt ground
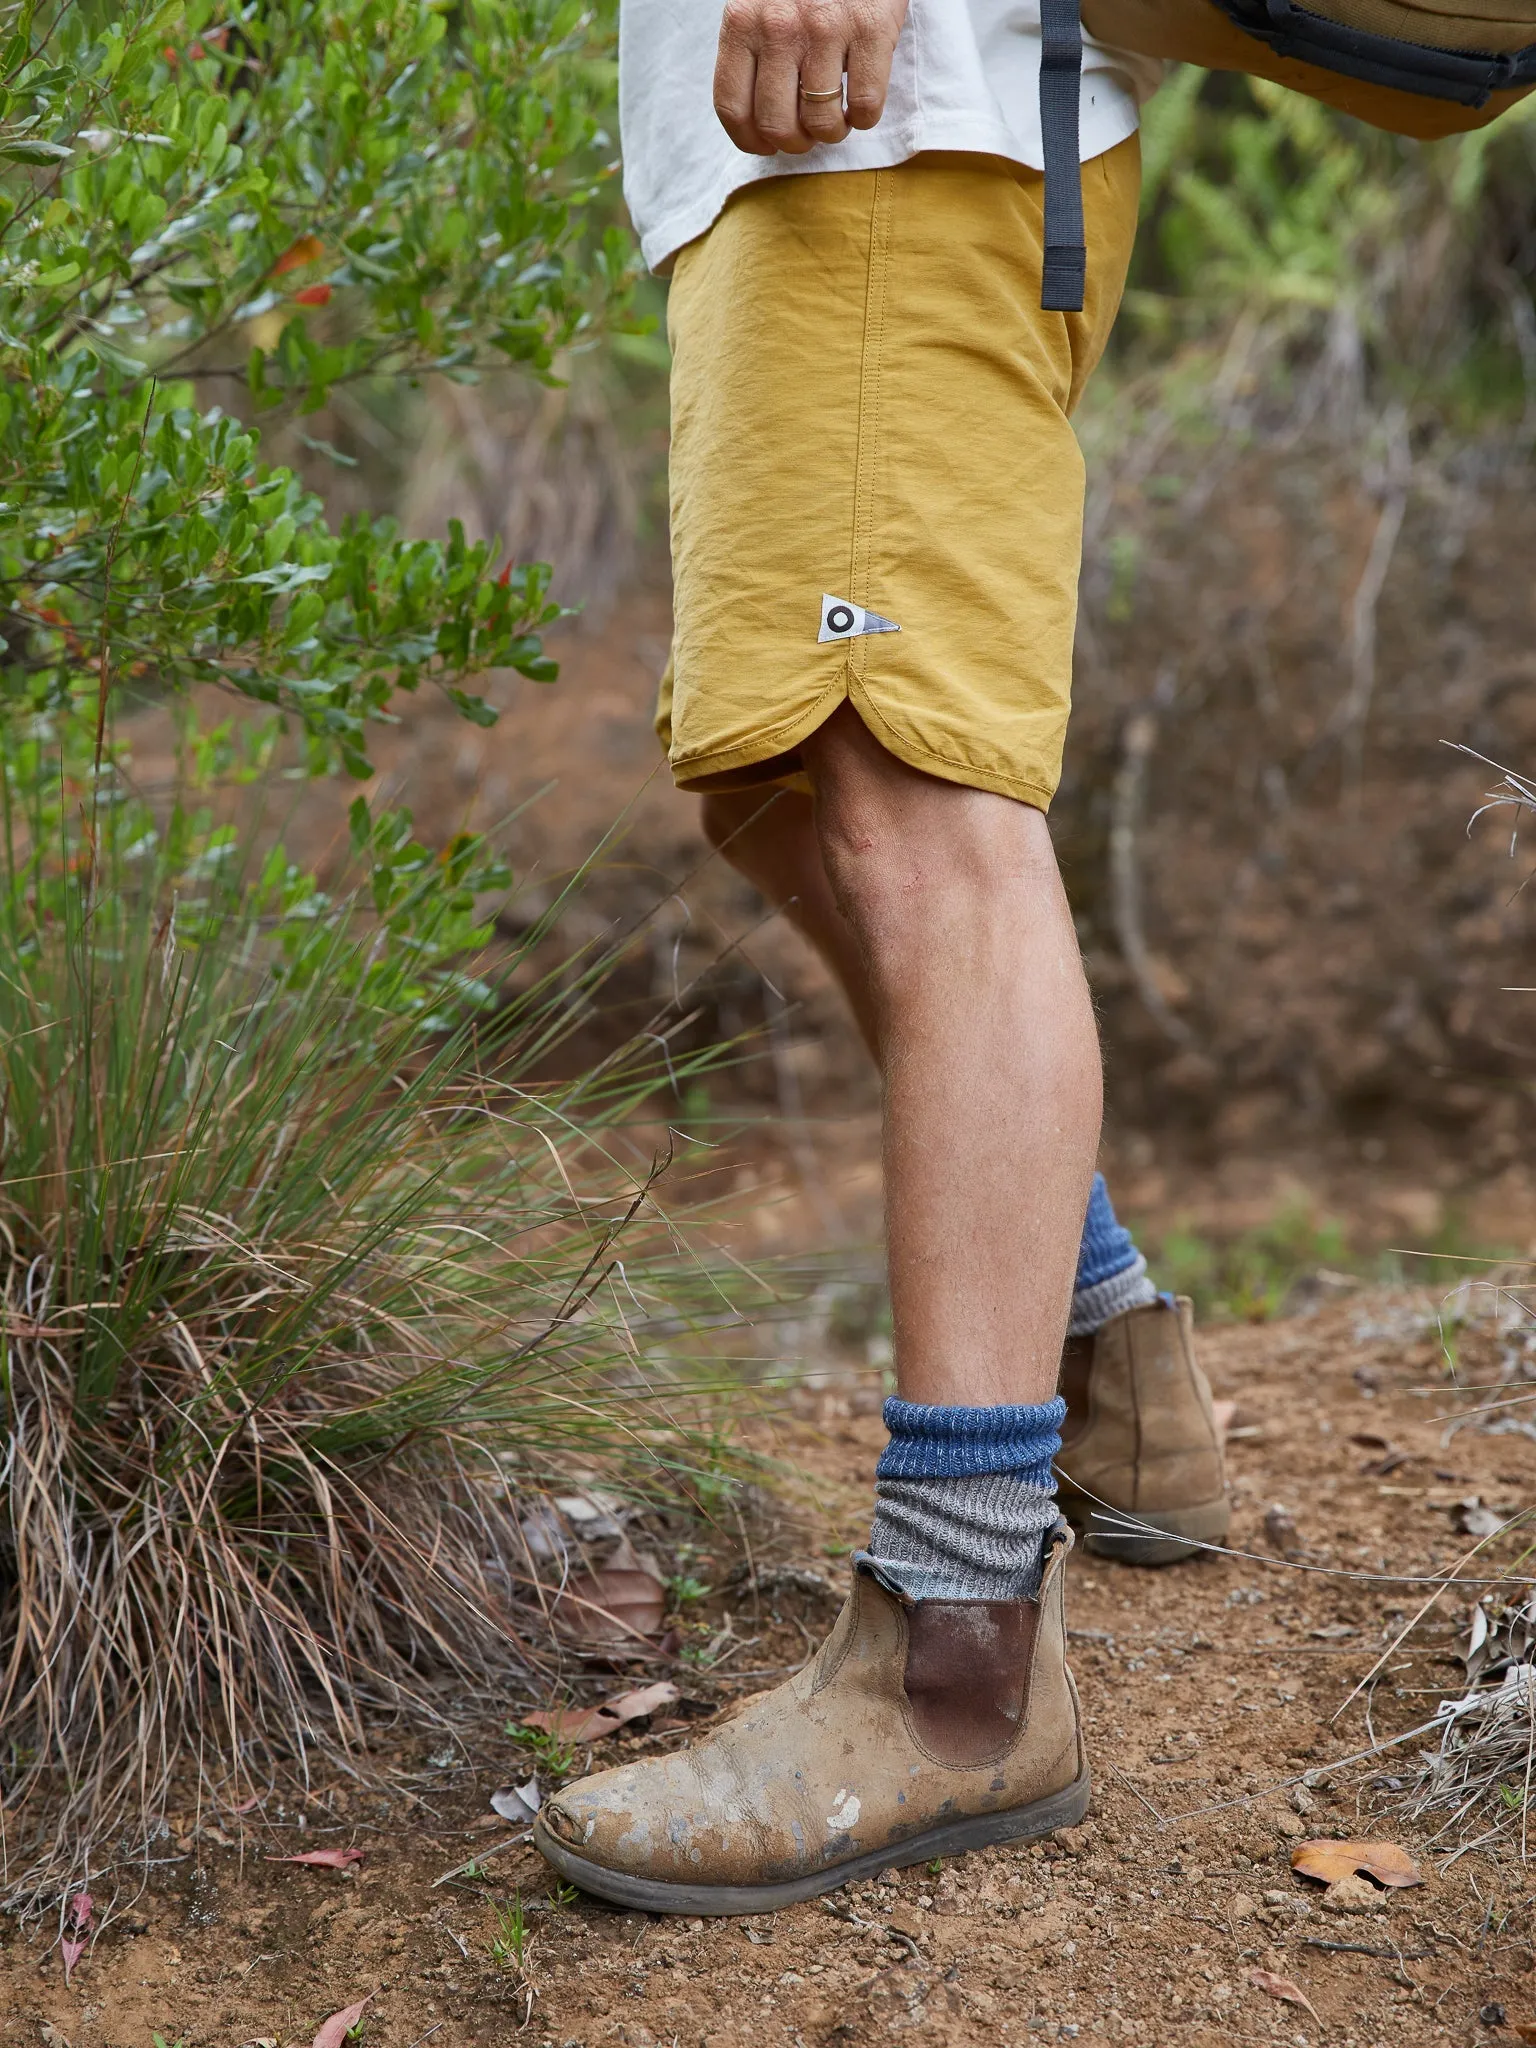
1215	1696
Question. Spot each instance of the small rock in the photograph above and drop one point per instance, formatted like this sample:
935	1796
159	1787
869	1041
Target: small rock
1076	1841
1470	1517
1277	1898
1280	1531
1301	1800
907	1920
1353	1895
1241	1907
1289	1825
1043	1929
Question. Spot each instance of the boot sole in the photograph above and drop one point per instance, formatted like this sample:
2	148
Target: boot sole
1180	1530
1062	1809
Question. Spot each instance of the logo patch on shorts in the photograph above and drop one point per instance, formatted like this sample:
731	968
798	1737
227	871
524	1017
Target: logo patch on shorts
841	620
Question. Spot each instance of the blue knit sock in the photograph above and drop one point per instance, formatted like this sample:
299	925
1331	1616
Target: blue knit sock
963	1500
1111	1273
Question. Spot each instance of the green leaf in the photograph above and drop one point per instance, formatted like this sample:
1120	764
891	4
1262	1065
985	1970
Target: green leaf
475	709
33	150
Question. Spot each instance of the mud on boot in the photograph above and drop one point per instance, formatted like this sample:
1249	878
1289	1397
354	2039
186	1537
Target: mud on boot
1140	1443
919	1729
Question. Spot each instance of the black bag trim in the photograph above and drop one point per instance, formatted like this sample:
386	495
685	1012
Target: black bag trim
1468	77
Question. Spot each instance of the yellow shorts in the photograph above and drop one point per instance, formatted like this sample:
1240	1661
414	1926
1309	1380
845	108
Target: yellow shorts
870	415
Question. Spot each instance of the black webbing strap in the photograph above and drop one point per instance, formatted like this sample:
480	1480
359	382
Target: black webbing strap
1061	74
1469	77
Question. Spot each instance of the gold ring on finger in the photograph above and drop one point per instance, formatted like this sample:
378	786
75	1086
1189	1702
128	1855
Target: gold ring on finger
834	93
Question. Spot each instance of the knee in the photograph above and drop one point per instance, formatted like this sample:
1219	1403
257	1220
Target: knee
956	856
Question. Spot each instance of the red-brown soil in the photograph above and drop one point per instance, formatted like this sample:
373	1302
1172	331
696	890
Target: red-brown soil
1210	1690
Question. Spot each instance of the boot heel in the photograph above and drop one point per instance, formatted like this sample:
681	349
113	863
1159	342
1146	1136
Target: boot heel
1131	1538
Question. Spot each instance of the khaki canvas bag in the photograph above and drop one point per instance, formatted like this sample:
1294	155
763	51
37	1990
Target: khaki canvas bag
1424	68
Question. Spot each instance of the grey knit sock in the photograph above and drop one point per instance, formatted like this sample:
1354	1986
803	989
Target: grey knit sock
1093	1306
971	1538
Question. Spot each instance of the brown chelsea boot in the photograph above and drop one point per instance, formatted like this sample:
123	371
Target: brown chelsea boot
919	1729
1140	1445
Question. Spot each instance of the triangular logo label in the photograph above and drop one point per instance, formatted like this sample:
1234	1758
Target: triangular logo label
841	620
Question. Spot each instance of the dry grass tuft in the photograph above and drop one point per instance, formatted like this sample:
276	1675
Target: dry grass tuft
1478	1780
298	1312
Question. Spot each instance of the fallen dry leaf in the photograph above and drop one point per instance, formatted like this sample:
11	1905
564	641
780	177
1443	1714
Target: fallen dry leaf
1388	1862
517	1802
591	1724
1264	1980
340	2024
324	1859
1524	2030
618	1604
77	1917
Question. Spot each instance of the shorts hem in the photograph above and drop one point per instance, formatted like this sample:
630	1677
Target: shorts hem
950	768
693	771
701	773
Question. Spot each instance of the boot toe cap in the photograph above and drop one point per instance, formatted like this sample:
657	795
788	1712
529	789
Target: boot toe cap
647	1819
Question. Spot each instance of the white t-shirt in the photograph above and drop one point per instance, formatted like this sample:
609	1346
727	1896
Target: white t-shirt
966	75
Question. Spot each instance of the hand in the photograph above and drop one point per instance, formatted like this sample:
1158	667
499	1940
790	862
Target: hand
769	49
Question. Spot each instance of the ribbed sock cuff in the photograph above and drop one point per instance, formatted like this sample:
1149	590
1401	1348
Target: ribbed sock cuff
930	1440
963	1498
974	1538
1093	1306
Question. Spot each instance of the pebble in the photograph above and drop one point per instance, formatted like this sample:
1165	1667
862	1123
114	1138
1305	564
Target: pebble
1290	1825
1353	1895
1241	1907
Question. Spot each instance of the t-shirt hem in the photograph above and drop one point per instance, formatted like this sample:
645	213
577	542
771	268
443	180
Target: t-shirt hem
965	133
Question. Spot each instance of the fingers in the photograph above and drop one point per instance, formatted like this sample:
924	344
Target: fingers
768	50
870	50
823	60
778	107
736	81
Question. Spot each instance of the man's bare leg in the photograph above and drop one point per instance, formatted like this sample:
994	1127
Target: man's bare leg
1123	1341
951	1653
769	836
990	1058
